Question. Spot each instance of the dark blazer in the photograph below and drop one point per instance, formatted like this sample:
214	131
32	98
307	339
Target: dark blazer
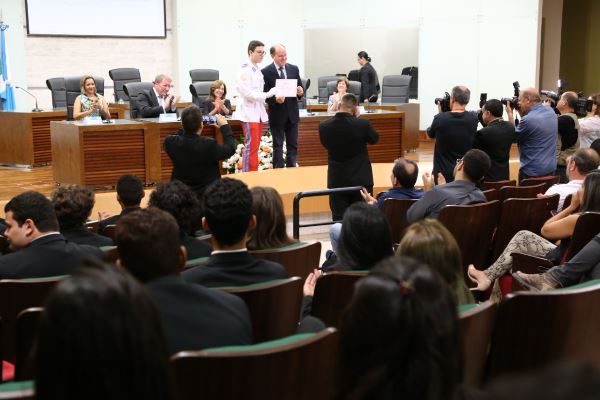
112	220
83	236
208	106
195	248
194	317
346	137
369	82
195	158
234	269
50	255
147	104
496	140
279	113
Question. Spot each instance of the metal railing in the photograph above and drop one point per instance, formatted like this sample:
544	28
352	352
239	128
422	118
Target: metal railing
315	193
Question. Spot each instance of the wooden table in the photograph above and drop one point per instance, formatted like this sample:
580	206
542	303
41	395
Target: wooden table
25	135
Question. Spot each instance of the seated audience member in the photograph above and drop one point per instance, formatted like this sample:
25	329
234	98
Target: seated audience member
89	103
158	100
271	227
589	127
195	158
216	103
228	215
568	133
429	242
130	192
404	176
399	331
559	227
39	248
468	173
178	200
73	206
193	317
578	166
336	98
100	339
596	146
583	266
495	139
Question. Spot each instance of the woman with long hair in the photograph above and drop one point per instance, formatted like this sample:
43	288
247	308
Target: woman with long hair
271	226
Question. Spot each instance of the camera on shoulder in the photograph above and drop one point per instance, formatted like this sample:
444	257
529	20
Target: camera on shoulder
443	102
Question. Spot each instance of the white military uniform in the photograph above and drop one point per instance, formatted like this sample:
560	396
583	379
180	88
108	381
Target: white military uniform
251	103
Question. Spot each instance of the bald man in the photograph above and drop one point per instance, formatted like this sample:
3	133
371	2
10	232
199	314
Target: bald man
536	135
283	111
568	133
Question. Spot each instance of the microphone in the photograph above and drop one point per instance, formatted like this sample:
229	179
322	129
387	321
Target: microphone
36	109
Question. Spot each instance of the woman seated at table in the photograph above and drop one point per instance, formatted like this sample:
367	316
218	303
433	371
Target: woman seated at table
216	101
89	103
336	97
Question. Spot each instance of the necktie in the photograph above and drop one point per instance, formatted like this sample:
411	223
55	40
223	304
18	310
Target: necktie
281	74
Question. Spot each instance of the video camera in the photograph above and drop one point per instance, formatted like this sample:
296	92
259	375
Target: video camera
444	102
512	101
581	107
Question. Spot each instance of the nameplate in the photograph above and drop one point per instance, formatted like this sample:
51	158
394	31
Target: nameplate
92	120
168	117
361	109
303	112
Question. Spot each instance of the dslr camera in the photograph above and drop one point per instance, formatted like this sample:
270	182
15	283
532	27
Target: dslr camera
444	102
581	107
512	101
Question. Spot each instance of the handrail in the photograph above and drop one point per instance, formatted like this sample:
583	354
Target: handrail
314	193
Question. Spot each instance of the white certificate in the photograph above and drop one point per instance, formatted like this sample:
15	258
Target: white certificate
286	87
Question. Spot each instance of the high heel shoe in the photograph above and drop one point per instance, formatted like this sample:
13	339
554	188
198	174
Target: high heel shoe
479	277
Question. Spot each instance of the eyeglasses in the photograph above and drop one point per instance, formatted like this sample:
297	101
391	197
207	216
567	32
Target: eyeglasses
260	51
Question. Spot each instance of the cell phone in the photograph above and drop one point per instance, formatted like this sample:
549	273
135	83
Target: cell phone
209	119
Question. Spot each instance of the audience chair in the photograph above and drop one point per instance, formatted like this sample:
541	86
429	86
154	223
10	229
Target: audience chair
299	259
521	192
274	306
546	180
17	391
394	89
120	77
58	91
73	90
132	90
567	201
92	225
110	231
354	75
473	227
200	91
28	322
323	92
491	194
413	89
298	367
204	75
394	211
476	327
333	294
536	329
498	184
17	295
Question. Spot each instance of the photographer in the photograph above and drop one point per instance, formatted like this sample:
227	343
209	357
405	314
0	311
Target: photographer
536	135
589	127
568	133
453	132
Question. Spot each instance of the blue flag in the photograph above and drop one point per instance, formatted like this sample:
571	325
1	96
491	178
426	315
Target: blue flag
6	91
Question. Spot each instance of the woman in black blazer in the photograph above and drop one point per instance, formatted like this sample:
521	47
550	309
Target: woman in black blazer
216	101
369	88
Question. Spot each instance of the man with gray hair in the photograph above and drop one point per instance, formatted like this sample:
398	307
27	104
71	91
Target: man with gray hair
158	100
453	132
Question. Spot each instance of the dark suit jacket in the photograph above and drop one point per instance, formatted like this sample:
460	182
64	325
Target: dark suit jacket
234	269
195	248
147	104
208	106
280	113
195	317
496	140
50	255
369	82
346	137
195	158
112	220
83	236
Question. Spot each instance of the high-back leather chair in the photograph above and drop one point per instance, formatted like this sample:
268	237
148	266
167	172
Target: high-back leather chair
132	90
395	89
73	90
354	75
323	94
59	93
200	91
413	87
302	101
353	87
204	75
120	77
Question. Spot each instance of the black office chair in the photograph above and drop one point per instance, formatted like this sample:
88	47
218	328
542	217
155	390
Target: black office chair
413	88
204	75
302	101
322	84
353	87
395	89
132	90
200	91
354	75
73	88
59	92
120	77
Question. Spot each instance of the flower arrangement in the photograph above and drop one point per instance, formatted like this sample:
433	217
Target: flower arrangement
233	164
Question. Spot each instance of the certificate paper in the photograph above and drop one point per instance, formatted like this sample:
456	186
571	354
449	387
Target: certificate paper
286	87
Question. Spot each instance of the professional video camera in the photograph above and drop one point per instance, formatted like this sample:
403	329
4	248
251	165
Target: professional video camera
444	102
582	106
512	101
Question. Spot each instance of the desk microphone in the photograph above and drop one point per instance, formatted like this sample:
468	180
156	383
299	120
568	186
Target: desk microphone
36	109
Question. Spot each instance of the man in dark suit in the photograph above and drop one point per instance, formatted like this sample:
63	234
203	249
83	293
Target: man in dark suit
39	249
495	140
228	215
283	111
193	317
130	192
346	137
158	100
195	158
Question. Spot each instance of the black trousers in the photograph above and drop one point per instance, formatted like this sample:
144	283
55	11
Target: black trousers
339	202
289	131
